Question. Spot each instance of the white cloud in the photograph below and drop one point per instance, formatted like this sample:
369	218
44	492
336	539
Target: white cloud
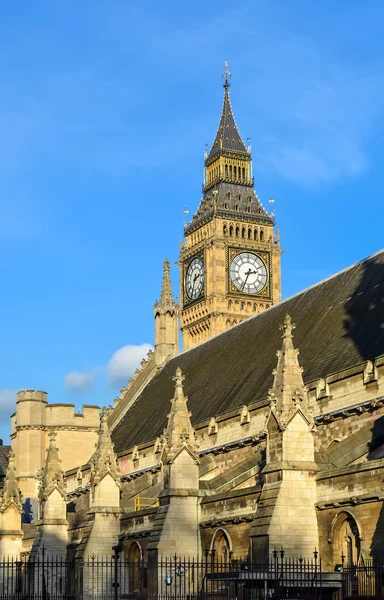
78	382
124	361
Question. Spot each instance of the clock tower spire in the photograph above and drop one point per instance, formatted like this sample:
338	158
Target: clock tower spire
230	261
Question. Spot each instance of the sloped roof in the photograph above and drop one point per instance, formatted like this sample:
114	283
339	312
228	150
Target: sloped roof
4	452
232	201
339	324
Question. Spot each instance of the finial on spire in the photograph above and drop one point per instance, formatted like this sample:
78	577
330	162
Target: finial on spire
287	327
178	379
227	76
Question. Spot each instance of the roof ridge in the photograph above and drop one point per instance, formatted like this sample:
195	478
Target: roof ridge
282	302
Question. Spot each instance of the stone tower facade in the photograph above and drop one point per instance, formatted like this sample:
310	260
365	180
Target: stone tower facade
230	261
166	312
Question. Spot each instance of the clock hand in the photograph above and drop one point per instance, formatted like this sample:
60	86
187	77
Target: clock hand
248	273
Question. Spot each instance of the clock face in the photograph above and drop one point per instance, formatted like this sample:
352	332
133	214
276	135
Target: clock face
248	273
194	280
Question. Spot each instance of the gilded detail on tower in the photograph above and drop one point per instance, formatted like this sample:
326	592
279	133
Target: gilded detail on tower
230	261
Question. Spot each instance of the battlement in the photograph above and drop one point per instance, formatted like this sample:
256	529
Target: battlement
32	395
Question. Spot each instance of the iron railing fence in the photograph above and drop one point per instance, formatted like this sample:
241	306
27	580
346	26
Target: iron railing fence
364	581
46	577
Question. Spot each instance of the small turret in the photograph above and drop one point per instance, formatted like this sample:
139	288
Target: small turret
166	312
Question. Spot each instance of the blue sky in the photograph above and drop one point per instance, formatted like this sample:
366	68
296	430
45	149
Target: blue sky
105	108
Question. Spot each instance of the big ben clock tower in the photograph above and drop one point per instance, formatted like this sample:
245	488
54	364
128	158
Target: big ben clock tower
230	261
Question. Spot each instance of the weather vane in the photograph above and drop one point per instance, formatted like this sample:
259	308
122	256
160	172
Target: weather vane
226	75
271	202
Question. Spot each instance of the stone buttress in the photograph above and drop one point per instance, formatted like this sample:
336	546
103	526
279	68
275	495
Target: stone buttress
286	513
52	526
105	484
176	526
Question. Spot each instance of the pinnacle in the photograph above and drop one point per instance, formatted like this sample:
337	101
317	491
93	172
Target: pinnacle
288	390
51	476
11	492
104	458
167	301
179	431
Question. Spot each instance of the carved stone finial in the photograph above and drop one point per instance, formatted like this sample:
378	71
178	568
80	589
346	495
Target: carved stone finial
178	378
287	327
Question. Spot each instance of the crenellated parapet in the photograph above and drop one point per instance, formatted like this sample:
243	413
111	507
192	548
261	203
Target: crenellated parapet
32	396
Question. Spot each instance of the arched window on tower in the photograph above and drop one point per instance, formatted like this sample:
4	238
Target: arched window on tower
261	235
231	230
249	233
234	172
243	233
255	234
225	229
226	170
230	171
243	172
237	231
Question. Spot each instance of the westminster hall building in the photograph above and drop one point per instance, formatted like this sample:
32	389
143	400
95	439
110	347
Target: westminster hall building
266	430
